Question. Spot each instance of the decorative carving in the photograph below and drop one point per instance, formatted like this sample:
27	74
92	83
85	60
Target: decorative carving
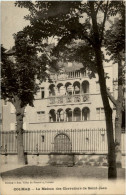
59	100
52	100
85	98
77	98
69	99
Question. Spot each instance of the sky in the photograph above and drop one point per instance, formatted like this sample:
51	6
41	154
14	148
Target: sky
12	21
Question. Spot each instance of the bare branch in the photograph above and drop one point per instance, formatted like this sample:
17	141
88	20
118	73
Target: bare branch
104	20
98	7
67	39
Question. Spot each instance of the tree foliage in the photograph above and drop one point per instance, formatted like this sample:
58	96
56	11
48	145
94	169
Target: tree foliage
115	39
73	20
20	69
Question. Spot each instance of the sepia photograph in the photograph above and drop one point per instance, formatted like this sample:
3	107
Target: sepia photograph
62	97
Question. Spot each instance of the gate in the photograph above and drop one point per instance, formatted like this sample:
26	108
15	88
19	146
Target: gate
62	143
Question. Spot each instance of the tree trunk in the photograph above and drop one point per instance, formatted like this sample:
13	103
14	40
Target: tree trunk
118	122
118	119
112	173
19	119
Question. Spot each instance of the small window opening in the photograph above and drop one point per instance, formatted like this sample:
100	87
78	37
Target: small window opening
43	138
42	93
5	102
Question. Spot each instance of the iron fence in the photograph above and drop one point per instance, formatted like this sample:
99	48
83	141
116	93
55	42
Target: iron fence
78	141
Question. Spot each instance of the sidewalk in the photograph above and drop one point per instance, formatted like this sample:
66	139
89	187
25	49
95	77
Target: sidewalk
38	171
9	167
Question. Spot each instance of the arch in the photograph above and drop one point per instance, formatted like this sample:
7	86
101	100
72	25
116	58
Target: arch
52	115
62	143
77	114
67	84
85	114
69	88
52	90
59	85
61	89
60	115
85	87
76	86
68	112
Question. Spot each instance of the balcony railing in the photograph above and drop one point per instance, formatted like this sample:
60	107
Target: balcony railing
77	98
70	75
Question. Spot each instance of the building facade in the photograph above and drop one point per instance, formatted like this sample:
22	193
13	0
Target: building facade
71	100
67	117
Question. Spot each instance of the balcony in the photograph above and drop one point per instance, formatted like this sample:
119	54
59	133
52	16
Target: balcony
69	99
69	75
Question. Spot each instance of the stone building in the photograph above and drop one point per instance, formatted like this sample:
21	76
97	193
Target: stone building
67	117
71	100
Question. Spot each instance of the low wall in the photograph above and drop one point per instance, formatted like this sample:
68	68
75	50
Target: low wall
60	160
92	124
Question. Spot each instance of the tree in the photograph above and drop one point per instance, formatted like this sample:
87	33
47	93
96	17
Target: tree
18	81
77	20
115	44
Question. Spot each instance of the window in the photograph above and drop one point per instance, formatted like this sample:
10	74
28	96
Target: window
5	102
41	116
97	113
97	87
100	114
42	93
84	73
43	138
86	114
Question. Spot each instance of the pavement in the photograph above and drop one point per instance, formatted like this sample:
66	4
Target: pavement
39	171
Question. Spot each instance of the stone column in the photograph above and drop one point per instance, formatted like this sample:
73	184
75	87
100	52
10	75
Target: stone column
81	115
64	116
56	116
74	74
49	117
72	115
80	88
59	116
73	90
56	90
